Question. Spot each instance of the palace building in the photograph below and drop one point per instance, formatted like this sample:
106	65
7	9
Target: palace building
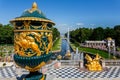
102	45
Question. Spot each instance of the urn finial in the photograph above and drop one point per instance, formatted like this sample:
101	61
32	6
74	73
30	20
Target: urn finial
34	5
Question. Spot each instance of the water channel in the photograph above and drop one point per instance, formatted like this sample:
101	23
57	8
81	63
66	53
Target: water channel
64	48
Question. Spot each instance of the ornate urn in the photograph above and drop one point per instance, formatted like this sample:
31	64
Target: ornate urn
32	41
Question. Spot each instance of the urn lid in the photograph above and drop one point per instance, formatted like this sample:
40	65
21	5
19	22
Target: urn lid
33	14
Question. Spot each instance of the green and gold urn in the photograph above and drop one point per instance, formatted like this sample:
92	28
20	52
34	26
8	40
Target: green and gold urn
32	41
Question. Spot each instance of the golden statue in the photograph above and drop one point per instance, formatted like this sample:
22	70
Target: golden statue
49	36
93	64
23	42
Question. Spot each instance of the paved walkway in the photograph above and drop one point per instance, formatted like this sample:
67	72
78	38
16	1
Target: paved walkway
7	72
66	73
86	79
72	72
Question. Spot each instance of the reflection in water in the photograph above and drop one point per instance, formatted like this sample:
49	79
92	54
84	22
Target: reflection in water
64	48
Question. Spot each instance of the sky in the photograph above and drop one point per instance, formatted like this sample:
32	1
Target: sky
67	13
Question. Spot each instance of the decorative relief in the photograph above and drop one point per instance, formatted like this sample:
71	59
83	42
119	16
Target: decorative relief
32	43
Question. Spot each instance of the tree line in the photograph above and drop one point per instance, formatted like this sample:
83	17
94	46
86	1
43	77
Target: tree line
99	33
7	34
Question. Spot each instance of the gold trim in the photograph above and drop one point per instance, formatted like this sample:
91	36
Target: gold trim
32	19
36	27
35	68
32	31
43	77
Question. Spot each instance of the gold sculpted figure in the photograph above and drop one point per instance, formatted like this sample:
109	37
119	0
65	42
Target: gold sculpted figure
93	64
49	36
27	24
23	42
38	37
44	25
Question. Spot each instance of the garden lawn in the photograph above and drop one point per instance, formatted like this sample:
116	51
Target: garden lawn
56	45
102	53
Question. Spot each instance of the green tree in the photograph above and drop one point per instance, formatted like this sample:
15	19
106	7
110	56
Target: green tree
85	33
6	34
117	34
56	33
1	25
80	34
109	32
97	34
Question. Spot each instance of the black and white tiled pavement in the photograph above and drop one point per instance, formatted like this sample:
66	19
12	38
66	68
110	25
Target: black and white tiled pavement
72	72
67	72
8	72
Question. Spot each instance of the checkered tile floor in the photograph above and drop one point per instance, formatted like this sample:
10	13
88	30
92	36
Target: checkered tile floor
7	72
67	72
71	72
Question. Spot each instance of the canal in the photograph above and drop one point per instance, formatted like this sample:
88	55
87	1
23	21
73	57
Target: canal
64	47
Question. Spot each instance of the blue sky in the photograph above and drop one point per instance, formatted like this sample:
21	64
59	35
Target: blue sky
67	13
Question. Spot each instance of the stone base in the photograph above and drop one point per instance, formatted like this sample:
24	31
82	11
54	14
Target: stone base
86	70
33	76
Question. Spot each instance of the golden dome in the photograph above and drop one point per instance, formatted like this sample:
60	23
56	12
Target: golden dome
109	38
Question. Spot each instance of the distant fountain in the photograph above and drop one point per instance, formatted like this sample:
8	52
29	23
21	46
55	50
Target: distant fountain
68	54
82	56
76	50
68	40
77	55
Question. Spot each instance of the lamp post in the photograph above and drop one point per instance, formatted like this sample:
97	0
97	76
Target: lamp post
109	48
113	45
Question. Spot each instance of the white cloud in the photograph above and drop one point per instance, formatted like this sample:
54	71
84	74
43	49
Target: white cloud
62	25
92	24
79	24
62	28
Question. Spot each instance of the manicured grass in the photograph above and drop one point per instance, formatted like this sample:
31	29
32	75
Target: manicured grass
118	49
56	45
6	48
102	53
